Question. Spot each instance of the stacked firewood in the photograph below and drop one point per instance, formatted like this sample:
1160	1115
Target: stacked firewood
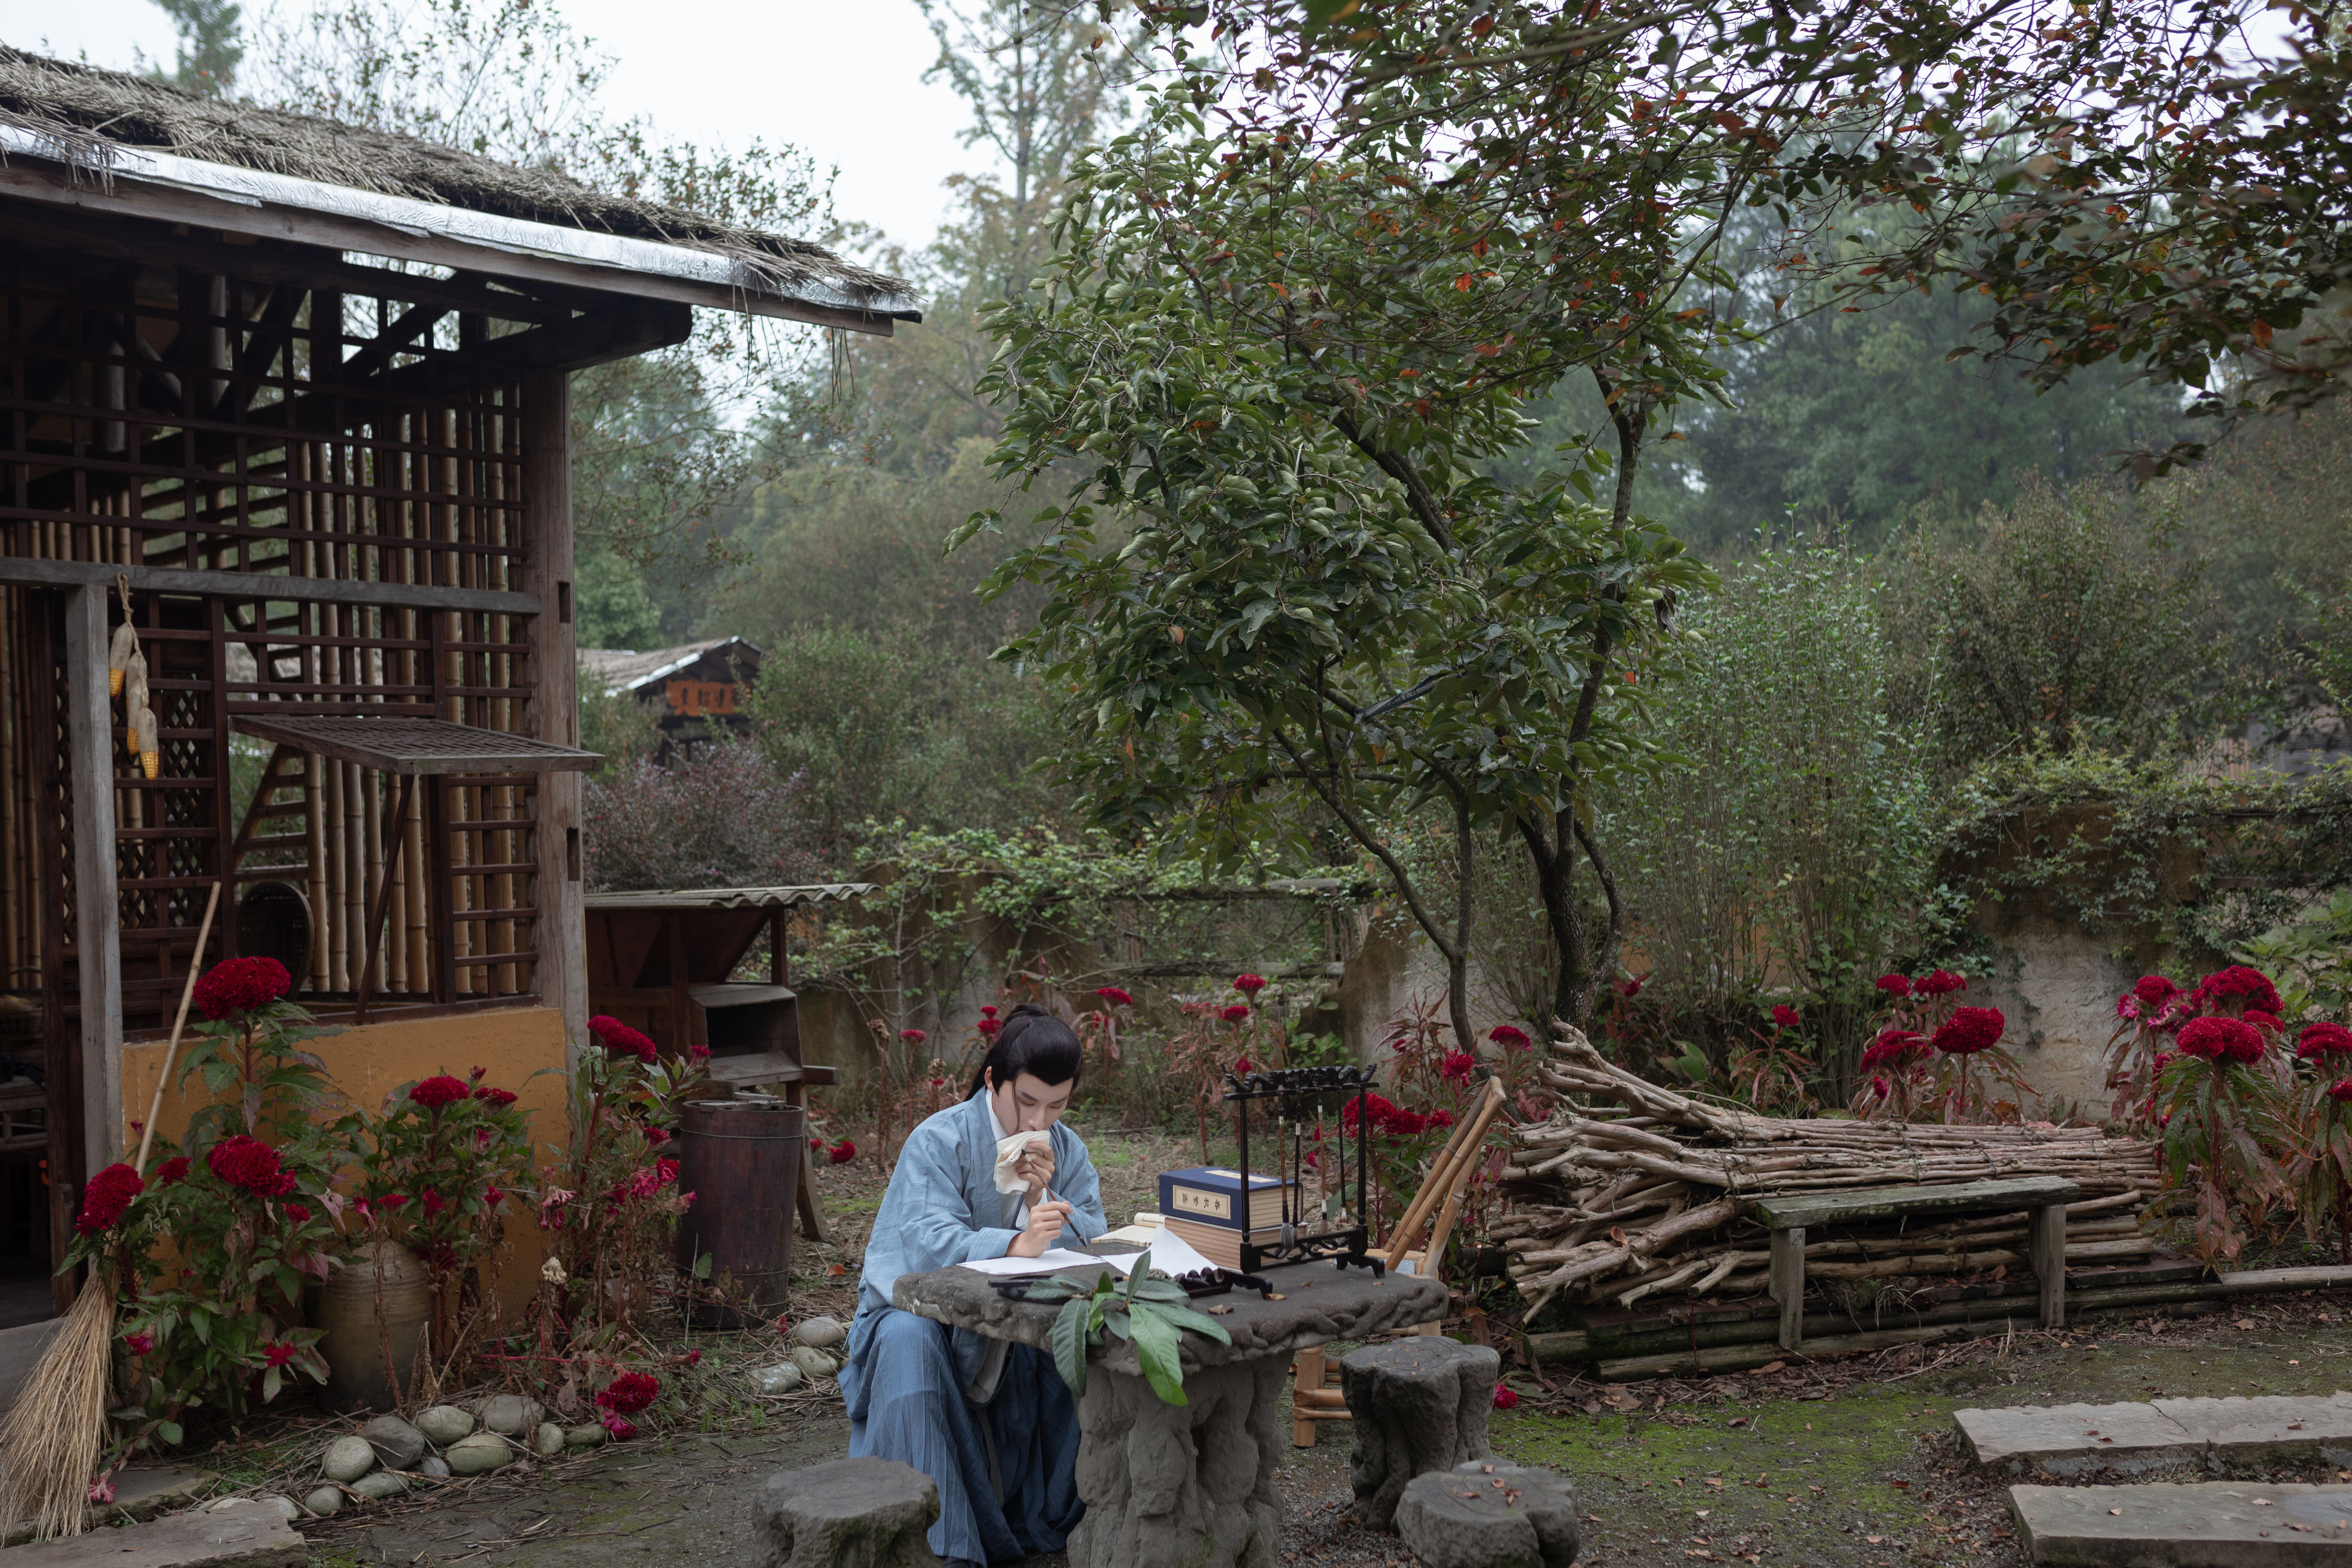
1633	1192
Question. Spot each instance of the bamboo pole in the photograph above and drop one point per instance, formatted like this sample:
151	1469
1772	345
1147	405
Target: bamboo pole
1433	1189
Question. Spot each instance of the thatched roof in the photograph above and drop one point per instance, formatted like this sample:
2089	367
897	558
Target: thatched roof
88	115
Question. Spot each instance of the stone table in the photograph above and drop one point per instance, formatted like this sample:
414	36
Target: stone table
1192	1485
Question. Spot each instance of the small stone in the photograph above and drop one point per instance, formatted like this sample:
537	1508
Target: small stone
347	1459
780	1378
589	1436
819	1333
433	1466
480	1454
445	1423
380	1485
221	1504
1489	1514
511	1414
325	1500
396	1443
287	1509
865	1511
550	1439
814	1362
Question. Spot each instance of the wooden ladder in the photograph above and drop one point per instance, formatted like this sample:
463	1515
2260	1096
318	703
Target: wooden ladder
289	769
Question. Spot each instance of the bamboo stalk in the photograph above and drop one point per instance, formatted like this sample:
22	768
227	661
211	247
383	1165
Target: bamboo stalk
1433	1188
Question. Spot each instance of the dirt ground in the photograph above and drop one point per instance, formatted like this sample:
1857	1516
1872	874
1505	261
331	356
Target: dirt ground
1849	1463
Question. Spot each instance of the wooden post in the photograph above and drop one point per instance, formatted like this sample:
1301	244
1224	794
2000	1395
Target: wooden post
1306	1376
1788	1283
2048	1242
98	922
560	931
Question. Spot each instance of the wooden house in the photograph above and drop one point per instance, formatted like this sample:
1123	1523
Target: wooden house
292	397
691	690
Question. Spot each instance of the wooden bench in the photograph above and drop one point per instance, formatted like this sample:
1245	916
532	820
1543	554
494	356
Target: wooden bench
1788	1218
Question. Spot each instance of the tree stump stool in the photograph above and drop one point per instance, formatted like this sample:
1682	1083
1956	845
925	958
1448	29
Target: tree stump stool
1420	1404
1490	1515
851	1513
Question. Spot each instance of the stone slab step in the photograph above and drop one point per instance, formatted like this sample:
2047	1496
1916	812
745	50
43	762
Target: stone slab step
2129	1438
2212	1524
248	1535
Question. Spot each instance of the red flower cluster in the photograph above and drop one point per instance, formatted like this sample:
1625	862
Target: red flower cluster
1970	1030
1511	1037
1784	1017
1234	1014
1892	1047
2323	1040
629	1393
1391	1120
2268	1023
1895	985
2237	986
843	1153
989	1027
2154	990
1506	1398
622	1041
240	986
243	1162
1113	997
278	1354
432	1093
2340	1091
1629	989
2218	1040
913	1037
299	1213
1938	982
1249	985
172	1172
496	1097
1241	1067
108	1198
1457	1066
139	1344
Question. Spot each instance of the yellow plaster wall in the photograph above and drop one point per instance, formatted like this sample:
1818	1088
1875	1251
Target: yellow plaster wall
367	1062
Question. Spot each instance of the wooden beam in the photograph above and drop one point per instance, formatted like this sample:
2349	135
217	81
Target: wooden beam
553	709
267	586
98	921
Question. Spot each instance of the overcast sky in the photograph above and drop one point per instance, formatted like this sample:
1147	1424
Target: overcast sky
841	79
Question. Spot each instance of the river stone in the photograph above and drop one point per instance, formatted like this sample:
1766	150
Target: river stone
589	1436
480	1454
445	1423
395	1442
326	1499
382	1484
287	1509
819	1333
550	1441
347	1459
780	1378
1489	1514
433	1467
510	1413
871	1512
814	1362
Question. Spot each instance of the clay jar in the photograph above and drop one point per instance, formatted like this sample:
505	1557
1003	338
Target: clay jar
383	1297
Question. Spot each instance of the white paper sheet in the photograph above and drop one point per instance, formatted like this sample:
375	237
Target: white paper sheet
1052	1260
1170	1254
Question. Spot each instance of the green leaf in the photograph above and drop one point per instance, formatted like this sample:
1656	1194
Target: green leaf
1156	1343
1070	1344
169	1431
1200	1323
271	1381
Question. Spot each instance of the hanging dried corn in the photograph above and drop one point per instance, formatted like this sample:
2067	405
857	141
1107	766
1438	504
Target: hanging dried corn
126	677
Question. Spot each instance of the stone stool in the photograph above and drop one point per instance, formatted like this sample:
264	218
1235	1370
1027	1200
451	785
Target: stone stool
1490	1515
1420	1403
851	1513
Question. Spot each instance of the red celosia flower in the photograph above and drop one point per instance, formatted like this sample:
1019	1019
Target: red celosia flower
1892	1045
1970	1030
2269	1023
1242	1065
2128	1007
989	1026
2220	1039
667	1169
1234	1014
2154	990
629	1393
299	1214
172	1172
1457	1067
697	1053
432	1093
2340	1091
1114	996
1511	1036
1376	1107
843	1153
622	1041
242	1162
498	1097
1938	982
1878	1089
1506	1398
618	1430
2323	1040
1440	1119
1249	985
1406	1124
434	1203
1629	989
240	986
913	1037
278	1354
1784	1017
492	1197
987	1012
2237	988
818	1145
1895	985
139	1344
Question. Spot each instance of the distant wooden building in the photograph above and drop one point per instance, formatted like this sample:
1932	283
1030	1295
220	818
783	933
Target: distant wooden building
693	688
295	394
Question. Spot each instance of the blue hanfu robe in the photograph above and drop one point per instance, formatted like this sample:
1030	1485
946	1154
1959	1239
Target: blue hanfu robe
998	1432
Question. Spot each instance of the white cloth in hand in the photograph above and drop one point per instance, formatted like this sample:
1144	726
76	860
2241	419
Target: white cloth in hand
1008	1150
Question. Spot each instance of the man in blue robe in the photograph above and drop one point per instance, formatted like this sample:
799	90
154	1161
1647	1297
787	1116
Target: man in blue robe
990	1422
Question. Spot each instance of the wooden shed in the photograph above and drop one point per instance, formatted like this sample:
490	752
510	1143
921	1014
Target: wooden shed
292	398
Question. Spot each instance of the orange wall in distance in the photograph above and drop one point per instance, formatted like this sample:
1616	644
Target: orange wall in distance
367	1062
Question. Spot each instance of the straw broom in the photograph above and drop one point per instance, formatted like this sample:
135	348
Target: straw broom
49	1438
